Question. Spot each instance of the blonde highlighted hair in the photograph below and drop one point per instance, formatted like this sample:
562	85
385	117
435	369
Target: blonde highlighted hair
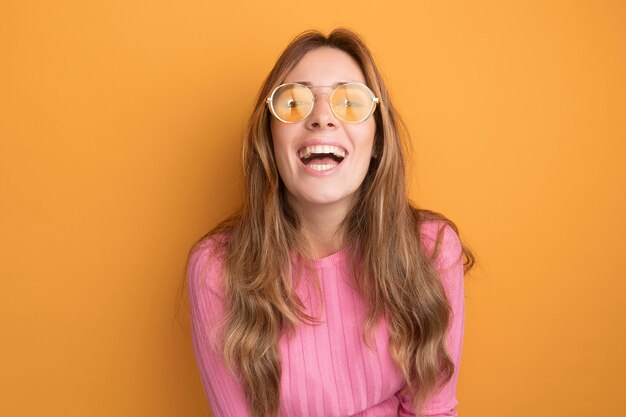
395	276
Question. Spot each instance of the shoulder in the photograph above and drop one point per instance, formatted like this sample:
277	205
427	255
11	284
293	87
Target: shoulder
441	243
205	264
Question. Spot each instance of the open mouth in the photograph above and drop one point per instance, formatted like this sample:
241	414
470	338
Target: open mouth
321	157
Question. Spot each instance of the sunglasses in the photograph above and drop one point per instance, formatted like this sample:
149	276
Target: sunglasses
350	102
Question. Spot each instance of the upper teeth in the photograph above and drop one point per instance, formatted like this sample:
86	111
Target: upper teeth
308	150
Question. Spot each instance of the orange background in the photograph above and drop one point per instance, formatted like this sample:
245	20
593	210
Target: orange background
120	128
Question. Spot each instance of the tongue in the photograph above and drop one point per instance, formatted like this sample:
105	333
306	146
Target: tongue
326	160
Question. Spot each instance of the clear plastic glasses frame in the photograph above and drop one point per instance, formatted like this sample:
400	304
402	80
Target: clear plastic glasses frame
349	102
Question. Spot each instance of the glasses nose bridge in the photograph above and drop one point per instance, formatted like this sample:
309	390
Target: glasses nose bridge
329	90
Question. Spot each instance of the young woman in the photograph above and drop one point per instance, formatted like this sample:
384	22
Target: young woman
328	293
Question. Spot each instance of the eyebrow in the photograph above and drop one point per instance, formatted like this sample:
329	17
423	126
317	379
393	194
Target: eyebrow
310	84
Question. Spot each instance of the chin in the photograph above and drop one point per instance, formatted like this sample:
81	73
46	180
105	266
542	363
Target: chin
321	199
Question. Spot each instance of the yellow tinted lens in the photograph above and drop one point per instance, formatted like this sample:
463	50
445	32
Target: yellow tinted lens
353	102
292	102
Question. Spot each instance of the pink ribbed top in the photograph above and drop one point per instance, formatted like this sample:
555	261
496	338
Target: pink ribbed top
327	369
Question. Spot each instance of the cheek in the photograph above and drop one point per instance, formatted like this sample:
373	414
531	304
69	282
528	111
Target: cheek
283	133
274	132
278	139
364	134
281	142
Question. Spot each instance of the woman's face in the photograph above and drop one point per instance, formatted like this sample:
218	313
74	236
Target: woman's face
323	180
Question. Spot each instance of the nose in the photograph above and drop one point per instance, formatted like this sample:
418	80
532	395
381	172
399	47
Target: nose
322	116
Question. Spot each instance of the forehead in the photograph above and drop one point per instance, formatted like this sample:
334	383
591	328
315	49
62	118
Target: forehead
326	66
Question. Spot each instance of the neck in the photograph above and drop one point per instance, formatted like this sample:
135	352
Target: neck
320	227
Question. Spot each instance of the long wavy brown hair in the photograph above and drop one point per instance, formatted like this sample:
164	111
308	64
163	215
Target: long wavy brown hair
395	276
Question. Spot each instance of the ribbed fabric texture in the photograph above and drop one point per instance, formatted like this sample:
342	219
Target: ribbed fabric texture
327	369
